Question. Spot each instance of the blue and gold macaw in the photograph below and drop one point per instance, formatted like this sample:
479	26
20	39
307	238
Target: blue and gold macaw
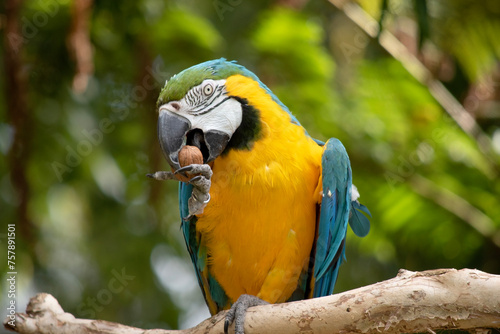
265	216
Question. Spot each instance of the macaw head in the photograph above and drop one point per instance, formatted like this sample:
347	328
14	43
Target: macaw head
196	109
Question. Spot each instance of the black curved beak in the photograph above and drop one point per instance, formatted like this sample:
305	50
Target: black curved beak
175	131
172	130
216	142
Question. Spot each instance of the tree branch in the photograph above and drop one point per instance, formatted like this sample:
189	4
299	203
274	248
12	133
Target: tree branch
411	302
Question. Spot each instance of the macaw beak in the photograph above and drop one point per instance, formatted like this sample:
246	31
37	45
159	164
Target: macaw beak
175	131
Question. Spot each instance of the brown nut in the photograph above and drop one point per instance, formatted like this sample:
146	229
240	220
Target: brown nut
189	155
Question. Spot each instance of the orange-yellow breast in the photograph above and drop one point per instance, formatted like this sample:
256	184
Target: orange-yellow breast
260	223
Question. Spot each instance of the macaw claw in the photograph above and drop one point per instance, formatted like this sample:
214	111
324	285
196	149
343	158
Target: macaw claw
201	183
162	176
238	310
193	169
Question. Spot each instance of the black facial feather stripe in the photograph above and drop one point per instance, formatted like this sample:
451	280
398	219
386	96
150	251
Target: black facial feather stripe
195	96
191	98
203	112
217	93
250	129
199	109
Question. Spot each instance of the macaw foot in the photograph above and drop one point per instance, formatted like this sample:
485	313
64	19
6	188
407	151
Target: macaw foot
162	176
237	312
200	177
201	186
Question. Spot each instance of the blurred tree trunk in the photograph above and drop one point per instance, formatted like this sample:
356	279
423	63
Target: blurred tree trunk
412	302
18	115
79	44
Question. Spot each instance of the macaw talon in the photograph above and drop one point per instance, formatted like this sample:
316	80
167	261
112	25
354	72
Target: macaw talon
200	195
162	176
196	179
201	187
202	169
238	310
197	202
183	170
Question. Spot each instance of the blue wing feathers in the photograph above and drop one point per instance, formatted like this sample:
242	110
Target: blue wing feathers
217	293
334	215
198	253
188	229
185	190
358	221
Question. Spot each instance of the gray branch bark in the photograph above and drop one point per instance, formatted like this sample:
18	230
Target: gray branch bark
411	302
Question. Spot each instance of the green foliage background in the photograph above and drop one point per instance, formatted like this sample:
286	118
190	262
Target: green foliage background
100	216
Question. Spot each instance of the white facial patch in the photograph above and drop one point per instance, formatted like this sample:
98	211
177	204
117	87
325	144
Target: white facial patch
225	118
207	107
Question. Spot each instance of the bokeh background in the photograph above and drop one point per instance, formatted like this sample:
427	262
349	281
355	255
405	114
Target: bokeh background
417	105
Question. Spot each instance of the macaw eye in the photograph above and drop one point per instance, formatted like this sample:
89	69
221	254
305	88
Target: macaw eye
208	89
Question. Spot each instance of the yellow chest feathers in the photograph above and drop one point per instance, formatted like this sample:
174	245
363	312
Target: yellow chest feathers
263	202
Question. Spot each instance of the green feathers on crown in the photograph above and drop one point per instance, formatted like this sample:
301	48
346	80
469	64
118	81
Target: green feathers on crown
177	86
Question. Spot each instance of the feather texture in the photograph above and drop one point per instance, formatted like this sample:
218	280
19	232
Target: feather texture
358	221
334	214
280	203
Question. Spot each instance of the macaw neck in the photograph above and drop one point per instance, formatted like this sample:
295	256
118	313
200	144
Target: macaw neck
280	145
262	116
